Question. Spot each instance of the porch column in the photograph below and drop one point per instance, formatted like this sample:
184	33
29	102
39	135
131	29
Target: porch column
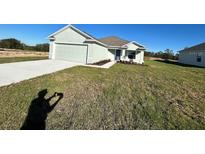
123	54
52	50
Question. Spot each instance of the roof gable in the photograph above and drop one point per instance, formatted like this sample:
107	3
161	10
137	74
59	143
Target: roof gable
73	28
86	35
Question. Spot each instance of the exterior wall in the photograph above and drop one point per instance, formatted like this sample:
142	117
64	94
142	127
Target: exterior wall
66	36
97	53
139	57
69	35
111	54
190	58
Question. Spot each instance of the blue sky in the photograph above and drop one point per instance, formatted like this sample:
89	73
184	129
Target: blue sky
154	37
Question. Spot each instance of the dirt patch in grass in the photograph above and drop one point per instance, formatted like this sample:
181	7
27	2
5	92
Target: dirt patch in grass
22	53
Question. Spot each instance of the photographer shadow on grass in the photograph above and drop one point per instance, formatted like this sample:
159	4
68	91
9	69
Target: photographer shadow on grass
38	111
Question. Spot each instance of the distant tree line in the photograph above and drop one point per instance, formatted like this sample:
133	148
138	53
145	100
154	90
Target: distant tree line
13	43
166	54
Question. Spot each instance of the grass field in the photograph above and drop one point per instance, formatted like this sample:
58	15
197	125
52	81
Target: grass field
18	59
155	96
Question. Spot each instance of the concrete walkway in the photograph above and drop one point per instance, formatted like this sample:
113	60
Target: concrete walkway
107	65
19	71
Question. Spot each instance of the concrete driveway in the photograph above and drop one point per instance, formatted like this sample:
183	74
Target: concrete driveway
19	71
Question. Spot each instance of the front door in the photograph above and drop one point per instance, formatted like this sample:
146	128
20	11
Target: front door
117	55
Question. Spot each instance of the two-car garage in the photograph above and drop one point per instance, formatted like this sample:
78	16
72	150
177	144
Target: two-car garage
73	45
71	52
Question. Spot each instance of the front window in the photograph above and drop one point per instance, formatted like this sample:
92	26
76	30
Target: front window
131	54
198	59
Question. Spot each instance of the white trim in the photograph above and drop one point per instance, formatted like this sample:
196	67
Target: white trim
120	54
134	42
128	51
79	31
116	47
184	51
87	35
54	50
60	30
72	43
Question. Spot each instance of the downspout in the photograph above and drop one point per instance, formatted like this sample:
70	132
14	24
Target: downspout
54	50
87	55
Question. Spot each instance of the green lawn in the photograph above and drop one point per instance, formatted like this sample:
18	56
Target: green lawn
156	96
18	59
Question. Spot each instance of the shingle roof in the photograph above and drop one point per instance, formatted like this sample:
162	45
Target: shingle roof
113	41
196	47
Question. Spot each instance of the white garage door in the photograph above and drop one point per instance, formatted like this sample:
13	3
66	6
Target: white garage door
71	52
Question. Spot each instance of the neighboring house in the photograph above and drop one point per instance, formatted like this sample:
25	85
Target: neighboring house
194	55
72	44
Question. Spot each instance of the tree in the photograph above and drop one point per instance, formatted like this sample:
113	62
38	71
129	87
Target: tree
168	54
149	54
42	47
11	43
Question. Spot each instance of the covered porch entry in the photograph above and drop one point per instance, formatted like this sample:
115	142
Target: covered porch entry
127	55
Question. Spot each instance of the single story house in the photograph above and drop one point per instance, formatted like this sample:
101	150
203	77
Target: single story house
194	55
72	44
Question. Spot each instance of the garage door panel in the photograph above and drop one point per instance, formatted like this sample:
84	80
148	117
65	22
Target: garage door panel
71	52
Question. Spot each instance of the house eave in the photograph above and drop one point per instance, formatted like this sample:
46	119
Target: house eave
141	49
134	42
116	47
51	38
182	51
94	41
60	30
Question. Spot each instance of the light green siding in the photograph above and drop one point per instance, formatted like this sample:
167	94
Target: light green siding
69	35
97	53
111	54
69	46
